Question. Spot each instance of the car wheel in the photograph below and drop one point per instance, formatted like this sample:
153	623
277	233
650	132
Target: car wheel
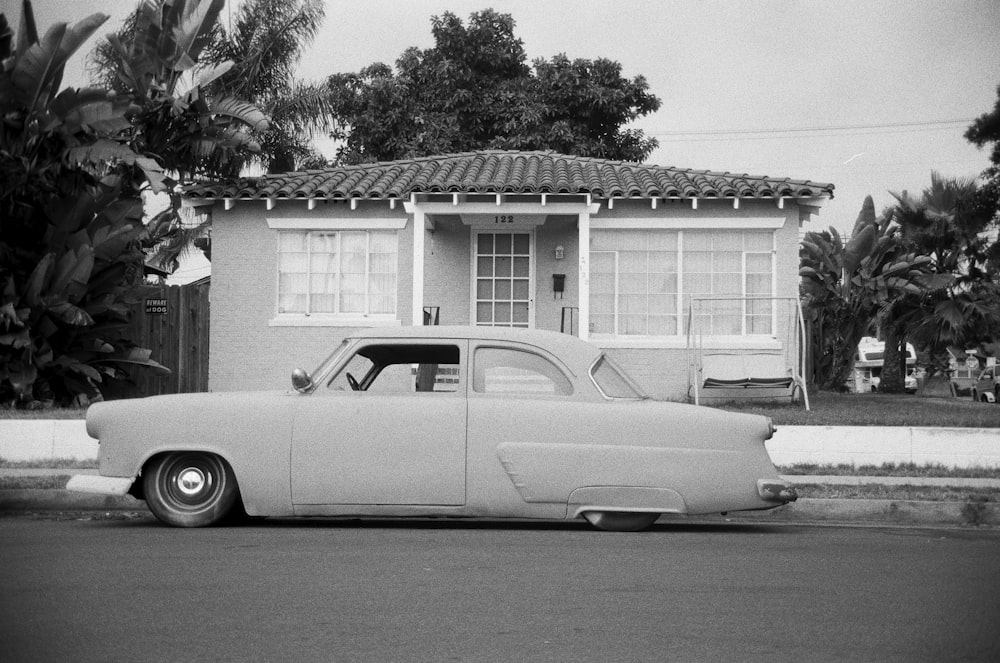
620	521
190	489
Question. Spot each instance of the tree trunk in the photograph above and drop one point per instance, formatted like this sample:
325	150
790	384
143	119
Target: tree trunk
893	362
842	350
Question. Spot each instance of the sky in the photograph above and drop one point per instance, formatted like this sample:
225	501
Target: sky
871	95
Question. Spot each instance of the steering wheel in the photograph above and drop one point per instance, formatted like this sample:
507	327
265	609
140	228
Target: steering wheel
353	383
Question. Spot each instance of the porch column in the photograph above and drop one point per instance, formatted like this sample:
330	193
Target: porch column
418	265
583	230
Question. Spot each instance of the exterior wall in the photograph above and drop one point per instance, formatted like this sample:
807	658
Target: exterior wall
447	270
249	352
556	231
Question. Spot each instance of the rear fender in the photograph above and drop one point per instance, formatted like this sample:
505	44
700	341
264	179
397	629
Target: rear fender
634	499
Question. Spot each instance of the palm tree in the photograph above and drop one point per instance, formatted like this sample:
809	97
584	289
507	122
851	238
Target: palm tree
265	42
845	285
253	59
961	302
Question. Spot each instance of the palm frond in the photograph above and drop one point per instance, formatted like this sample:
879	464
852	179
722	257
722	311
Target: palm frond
243	111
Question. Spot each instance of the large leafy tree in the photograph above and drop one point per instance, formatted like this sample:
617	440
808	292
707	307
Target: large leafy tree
474	90
985	132
845	284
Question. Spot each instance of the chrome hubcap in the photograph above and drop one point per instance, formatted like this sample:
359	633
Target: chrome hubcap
191	481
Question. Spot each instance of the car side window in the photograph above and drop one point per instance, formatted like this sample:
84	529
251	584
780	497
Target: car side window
510	371
400	369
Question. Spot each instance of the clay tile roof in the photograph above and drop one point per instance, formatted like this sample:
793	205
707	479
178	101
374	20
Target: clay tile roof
498	171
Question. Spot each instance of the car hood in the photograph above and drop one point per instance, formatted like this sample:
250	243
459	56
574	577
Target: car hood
190	407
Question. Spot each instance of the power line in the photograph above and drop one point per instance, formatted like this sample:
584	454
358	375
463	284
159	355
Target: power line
843	127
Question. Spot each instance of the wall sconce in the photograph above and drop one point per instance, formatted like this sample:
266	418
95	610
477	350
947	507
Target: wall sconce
560	252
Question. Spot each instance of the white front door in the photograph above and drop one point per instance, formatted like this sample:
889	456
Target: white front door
503	281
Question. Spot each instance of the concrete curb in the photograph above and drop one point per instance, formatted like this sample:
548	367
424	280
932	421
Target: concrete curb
51	499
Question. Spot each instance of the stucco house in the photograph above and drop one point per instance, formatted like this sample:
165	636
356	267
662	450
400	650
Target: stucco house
616	253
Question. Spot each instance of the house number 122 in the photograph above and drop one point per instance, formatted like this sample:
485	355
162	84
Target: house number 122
503	218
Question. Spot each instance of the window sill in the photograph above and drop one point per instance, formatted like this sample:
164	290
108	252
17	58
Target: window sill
681	343
287	320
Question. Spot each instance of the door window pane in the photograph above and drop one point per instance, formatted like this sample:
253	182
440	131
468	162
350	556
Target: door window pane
507	371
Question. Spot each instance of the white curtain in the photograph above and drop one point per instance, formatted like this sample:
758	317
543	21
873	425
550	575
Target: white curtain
293	272
337	272
322	271
382	268
634	287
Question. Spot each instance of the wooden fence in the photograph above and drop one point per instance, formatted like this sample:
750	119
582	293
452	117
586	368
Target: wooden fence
173	322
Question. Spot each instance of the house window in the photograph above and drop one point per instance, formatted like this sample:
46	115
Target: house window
642	281
634	282
344	272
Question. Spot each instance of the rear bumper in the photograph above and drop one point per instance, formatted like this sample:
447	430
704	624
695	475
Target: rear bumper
98	485
776	490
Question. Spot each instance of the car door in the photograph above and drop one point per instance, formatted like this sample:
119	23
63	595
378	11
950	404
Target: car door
399	439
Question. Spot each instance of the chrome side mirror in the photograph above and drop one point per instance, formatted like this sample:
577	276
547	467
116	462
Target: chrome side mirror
301	381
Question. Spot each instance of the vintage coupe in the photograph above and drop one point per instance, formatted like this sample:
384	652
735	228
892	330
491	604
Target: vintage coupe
438	422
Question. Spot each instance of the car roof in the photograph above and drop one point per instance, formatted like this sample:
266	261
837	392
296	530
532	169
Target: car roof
568	348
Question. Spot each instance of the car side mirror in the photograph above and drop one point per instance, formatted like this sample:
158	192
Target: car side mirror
301	381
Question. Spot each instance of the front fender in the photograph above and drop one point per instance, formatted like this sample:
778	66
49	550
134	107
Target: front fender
250	430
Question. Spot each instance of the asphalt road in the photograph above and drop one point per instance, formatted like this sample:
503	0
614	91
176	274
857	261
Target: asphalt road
133	590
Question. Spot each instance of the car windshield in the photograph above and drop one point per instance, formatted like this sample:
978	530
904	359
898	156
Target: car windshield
324	368
612	381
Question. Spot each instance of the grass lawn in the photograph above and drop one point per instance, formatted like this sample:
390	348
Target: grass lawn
832	409
53	413
882	492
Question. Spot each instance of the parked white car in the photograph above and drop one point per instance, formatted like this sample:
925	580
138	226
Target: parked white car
441	422
986	388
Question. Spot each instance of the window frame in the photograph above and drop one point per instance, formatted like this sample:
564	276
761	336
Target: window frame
375	371
682	297
474	276
336	319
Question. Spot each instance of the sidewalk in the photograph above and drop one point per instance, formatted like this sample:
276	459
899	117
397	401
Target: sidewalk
805	510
